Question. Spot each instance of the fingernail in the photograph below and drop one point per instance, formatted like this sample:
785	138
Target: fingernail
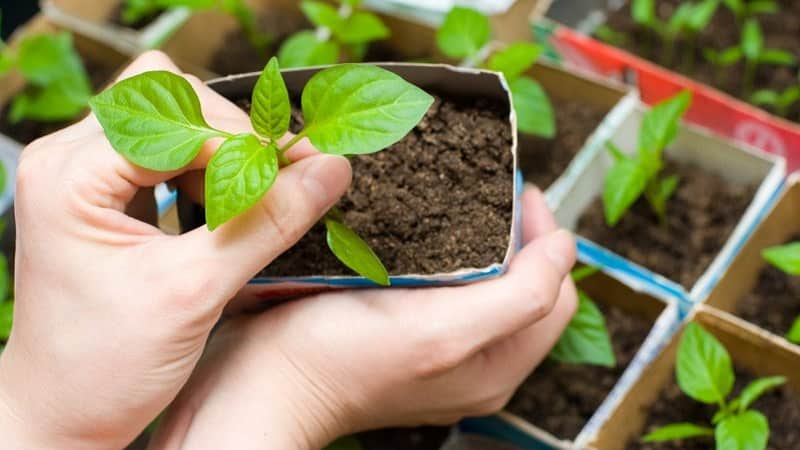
559	247
327	178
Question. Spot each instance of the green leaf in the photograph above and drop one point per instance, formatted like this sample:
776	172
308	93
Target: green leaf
6	319
345	443
701	15
611	36
756	389
752	40
514	59
586	339
136	10
625	183
660	125
45	58
777	57
724	58
721	415
583	273
237	177
763	7
659	192
63	99
765	97
304	49
680	19
736	6
704	370
351	250
643	12
534	112
746	431
463	33
356	109
794	333
5	279
677	431
271	110
153	119
784	257
790	96
361	28
321	14
6	60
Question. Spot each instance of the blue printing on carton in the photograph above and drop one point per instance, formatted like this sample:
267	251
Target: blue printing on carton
497	428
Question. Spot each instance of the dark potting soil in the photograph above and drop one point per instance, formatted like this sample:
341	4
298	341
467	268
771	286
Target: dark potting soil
781	406
560	398
421	438
774	303
437	201
701	215
116	18
26	131
780	30
541	160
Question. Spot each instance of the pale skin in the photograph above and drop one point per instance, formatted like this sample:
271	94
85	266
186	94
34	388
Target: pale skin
113	316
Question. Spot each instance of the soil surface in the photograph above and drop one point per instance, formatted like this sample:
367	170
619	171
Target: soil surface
541	160
26	131
780	30
116	18
421	438
774	304
781	406
560	398
437	201
700	217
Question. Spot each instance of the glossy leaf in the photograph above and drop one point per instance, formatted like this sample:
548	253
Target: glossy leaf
321	14
586	339
784	257
304	49
533	108
660	124
624	183
756	389
463	33
752	40
794	333
354	253
704	370
361	28
46	58
6	319
746	431
677	431
357	109
237	177
271	110
153	119
514	59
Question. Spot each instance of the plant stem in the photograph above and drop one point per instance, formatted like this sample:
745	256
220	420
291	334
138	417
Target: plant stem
282	151
749	77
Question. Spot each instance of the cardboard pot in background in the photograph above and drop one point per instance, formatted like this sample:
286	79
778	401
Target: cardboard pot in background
749	348
733	162
432	78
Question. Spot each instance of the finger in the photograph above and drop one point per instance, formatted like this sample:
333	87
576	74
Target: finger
536	216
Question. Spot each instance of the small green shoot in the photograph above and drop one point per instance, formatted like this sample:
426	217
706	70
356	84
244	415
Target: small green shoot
586	339
705	373
340	34
781	101
787	259
155	121
747	9
630	177
465	35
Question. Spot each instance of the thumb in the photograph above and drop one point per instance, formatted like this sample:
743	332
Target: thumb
240	248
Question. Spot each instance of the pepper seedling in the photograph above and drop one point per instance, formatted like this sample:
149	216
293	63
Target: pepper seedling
136	10
751	49
780	101
155	121
787	258
632	176
705	373
341	31
57	86
746	9
586	339
465	35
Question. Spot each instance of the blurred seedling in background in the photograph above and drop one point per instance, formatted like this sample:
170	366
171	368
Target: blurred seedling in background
787	258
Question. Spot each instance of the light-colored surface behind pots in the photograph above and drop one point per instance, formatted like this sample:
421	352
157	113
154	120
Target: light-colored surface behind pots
734	162
750	348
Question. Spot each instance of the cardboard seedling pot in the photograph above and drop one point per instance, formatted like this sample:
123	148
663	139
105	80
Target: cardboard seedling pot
741	277
749	347
735	163
441	79
664	315
711	108
92	18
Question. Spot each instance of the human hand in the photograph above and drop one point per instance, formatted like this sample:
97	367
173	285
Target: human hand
305	372
111	314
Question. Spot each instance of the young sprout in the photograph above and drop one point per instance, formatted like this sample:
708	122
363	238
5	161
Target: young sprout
136	10
705	373
586	339
154	120
57	86
465	35
339	31
787	258
607	34
780	101
747	9
632	176
751	49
